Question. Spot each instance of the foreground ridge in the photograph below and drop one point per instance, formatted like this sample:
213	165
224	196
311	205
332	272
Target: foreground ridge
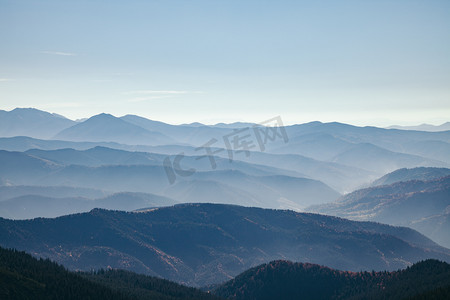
25	277
287	280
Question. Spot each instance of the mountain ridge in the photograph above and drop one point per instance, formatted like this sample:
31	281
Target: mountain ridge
413	203
107	128
32	122
288	280
210	243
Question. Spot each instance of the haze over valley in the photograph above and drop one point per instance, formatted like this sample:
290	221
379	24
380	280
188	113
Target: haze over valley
241	150
111	199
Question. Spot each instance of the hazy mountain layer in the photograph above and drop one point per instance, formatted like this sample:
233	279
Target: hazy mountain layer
340	177
424	127
356	146
264	190
107	128
31	122
100	156
404	174
422	205
33	206
13	191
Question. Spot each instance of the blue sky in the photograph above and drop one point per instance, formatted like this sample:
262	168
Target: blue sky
360	62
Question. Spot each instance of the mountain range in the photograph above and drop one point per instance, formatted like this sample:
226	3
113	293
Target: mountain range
201	244
340	177
421	202
28	206
422	174
107	128
25	277
199	204
121	171
32	122
342	156
424	127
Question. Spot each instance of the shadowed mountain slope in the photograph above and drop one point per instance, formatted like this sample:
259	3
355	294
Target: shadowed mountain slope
287	280
422	205
200	244
405	174
25	277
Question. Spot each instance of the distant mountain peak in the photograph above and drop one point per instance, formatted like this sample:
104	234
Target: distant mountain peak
423	127
30	110
194	124
108	128
32	122
35	111
19	109
103	116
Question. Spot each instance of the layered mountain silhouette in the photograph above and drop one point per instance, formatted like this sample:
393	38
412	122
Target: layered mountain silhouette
24	143
377	159
12	191
30	206
191	134
424	127
118	170
344	157
25	277
421	204
51	166
340	177
32	122
422	174
101	156
200	244
107	128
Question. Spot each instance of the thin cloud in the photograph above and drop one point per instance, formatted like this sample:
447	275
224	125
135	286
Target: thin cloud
143	99
60	105
156	92
123	74
101	80
59	53
148	95
5	79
